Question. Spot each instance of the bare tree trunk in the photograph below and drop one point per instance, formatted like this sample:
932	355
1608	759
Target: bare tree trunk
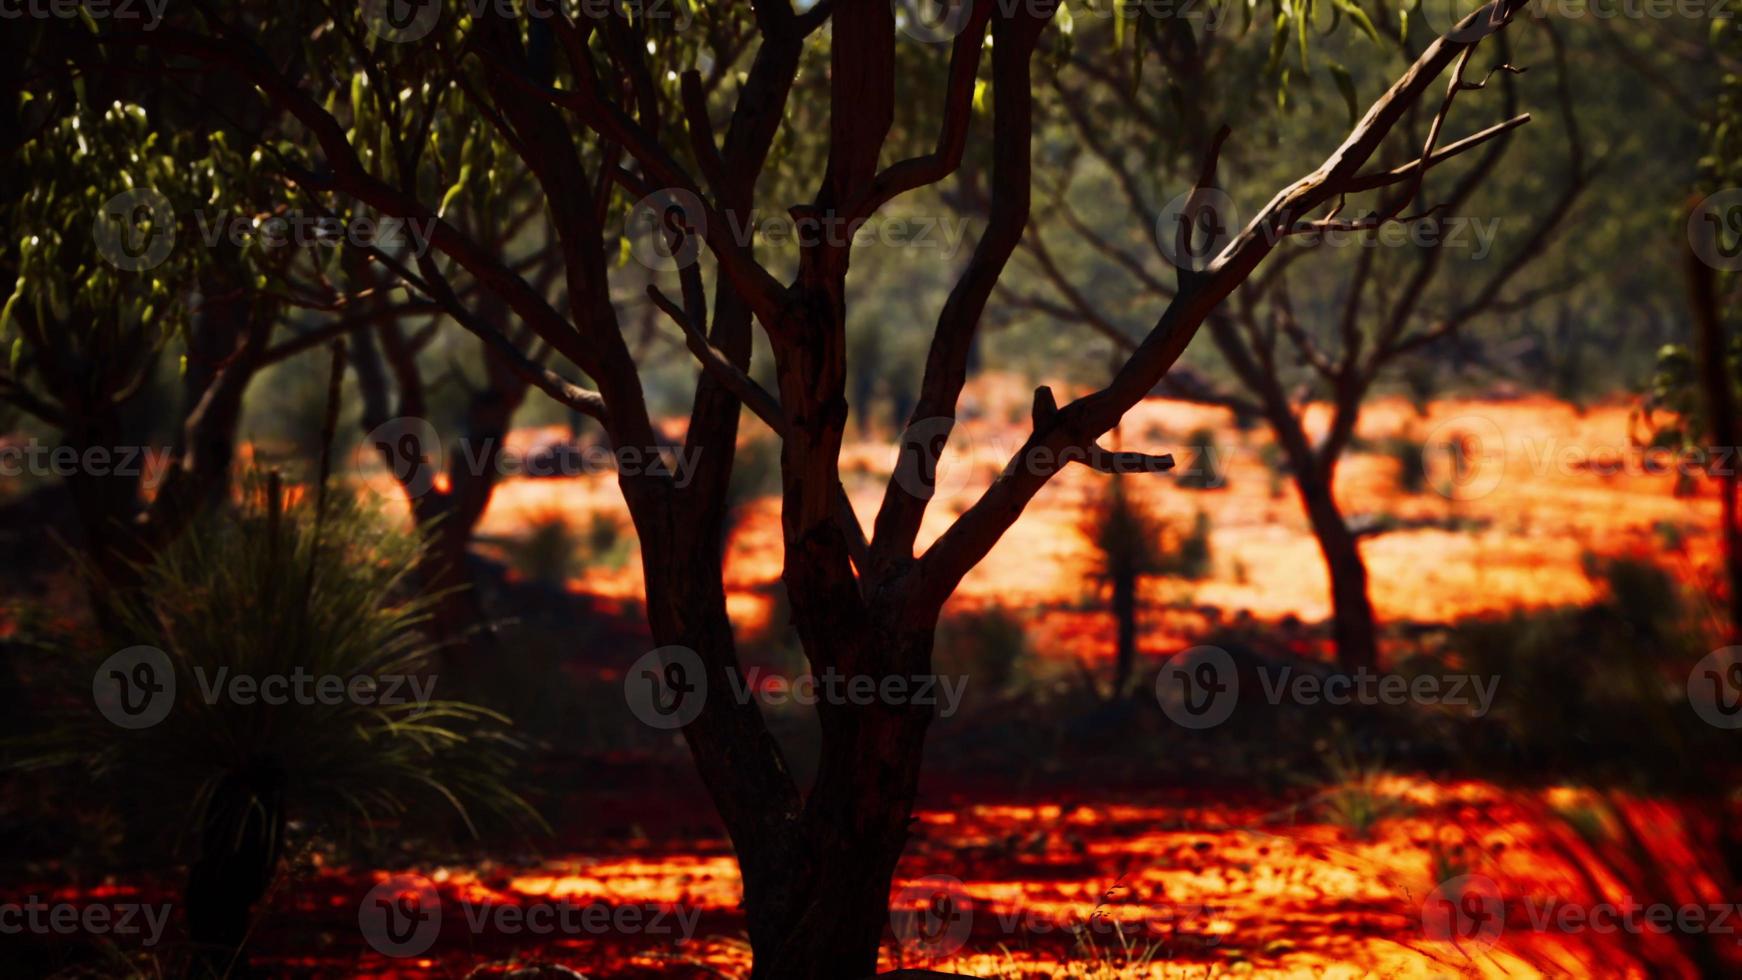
446	516
1721	408
1125	620
1352	619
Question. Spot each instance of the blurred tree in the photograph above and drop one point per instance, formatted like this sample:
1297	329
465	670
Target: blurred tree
1699	388
124	250
1283	358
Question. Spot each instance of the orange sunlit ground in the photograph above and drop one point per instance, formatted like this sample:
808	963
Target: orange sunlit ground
1134	881
1549	484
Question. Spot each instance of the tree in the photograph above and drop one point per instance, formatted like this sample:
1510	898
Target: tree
128	168
592	106
1699	388
1342	345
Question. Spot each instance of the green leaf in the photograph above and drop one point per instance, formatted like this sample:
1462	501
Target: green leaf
6	311
1359	16
1345	85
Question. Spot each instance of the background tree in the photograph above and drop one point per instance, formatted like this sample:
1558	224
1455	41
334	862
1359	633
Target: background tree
1698	389
1285	351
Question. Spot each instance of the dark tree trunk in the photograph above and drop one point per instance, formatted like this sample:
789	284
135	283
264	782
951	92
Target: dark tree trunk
832	901
447	516
241	841
1353	622
1125	619
1715	380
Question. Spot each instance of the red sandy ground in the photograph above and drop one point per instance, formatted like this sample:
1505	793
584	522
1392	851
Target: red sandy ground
1213	885
1172	886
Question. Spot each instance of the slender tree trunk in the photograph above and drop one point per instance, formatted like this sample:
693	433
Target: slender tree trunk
1716	382
816	870
1125	619
1352	621
241	842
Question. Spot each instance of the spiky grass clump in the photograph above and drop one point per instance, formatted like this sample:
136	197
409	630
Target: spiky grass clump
273	590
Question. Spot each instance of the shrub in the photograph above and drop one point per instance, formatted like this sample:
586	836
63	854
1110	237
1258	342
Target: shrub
988	646
1409	456
549	551
1204	469
274	590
